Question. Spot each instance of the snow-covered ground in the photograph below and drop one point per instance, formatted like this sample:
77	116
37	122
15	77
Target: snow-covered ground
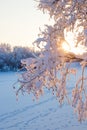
25	114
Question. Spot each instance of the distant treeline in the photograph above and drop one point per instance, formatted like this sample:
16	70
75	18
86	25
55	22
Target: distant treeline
10	58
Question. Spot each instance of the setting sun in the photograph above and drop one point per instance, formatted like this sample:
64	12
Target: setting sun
65	46
68	46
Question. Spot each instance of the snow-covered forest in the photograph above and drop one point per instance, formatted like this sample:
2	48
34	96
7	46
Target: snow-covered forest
10	58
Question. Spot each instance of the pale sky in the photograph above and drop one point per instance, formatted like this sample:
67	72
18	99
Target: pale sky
20	21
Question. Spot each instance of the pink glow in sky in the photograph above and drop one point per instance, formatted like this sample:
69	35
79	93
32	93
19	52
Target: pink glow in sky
20	21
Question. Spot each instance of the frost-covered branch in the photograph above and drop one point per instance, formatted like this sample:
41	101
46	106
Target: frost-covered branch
60	45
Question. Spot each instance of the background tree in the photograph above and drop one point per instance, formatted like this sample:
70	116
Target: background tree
10	59
5	51
61	44
20	53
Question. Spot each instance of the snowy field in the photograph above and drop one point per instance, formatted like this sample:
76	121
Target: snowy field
25	114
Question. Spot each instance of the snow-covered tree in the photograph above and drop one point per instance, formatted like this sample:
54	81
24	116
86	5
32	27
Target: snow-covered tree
61	45
10	59
20	53
5	50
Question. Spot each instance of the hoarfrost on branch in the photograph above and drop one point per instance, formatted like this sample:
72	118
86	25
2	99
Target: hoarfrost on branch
61	45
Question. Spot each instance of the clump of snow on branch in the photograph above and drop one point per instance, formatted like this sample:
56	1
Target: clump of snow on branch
61	44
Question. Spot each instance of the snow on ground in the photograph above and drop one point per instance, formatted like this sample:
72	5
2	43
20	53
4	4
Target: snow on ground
25	114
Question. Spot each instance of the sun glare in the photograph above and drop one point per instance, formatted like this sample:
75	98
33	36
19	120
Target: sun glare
65	46
69	46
